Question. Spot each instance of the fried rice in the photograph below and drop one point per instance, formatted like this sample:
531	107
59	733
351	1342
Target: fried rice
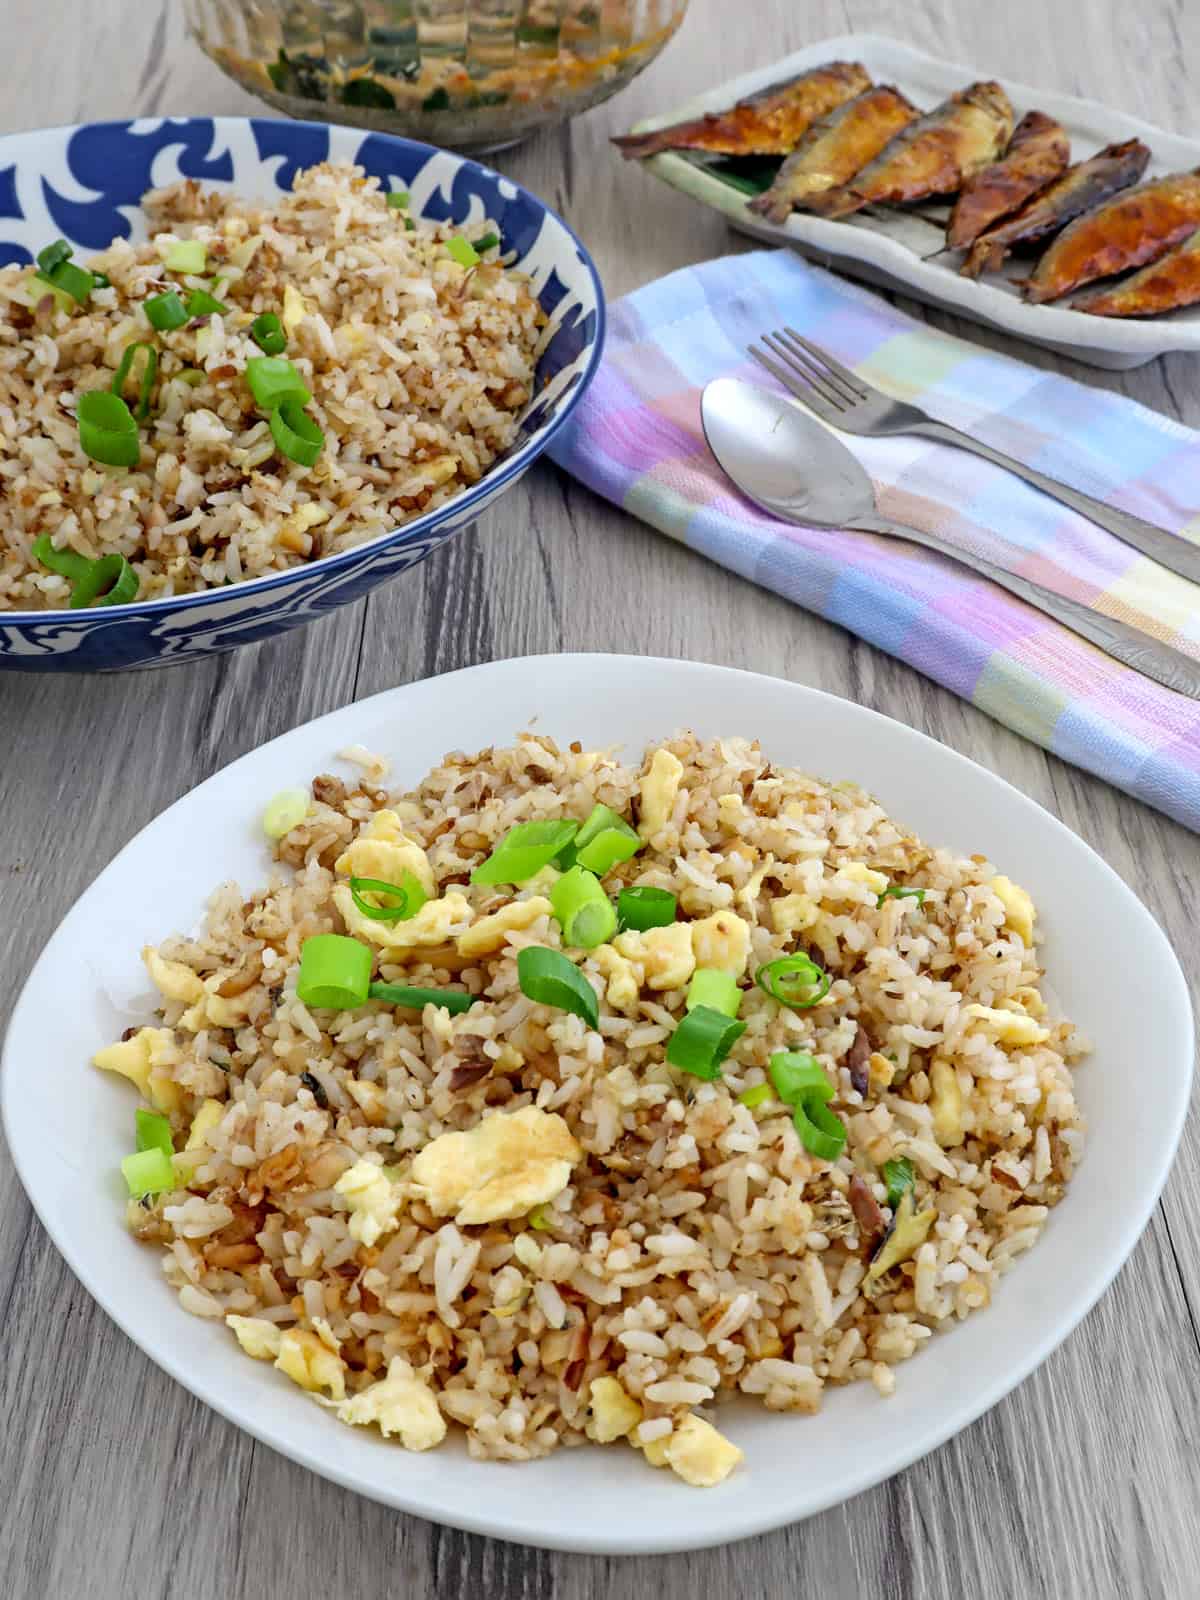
543	1232
419	368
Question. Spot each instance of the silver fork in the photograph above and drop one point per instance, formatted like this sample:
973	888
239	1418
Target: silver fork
846	401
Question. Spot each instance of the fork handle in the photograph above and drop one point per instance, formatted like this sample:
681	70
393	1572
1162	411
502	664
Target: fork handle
1170	550
1124	643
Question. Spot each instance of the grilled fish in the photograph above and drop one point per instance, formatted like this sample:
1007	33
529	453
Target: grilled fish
1138	226
1038	153
931	156
769	123
1171	281
1081	187
834	149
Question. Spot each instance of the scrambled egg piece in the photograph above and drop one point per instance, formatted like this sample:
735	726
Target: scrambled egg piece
138	1059
614	1413
904	1238
400	1403
431	926
502	1168
257	1337
295	309
792	913
1019	913
1010	1026
489	933
205	1120
946	1103
373	1200
384	851
664	954
658	790
171	978
622	979
305	1360
655	1450
859	872
699	1454
213	1010
722	941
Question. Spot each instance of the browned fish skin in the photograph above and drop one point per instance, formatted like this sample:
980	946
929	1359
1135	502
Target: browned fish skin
1037	154
835	148
1138	226
769	123
933	155
1081	187
1168	283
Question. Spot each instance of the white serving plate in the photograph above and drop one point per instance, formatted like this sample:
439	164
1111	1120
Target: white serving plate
68	1125
887	247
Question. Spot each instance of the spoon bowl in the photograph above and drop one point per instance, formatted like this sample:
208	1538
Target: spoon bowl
782	458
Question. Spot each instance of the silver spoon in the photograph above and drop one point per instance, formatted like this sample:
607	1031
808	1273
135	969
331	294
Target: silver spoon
788	463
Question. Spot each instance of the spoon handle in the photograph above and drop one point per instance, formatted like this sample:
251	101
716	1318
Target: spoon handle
1124	643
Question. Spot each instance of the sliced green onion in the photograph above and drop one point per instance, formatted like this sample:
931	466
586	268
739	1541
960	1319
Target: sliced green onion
899	1177
109	581
537	1218
585	912
607	850
67	563
757	1096
548	977
821	1132
148	1172
409	896
202	304
267	332
70	279
149	373
107	431
702	1041
273	380
795	981
153	1131
409	225
192	376
645	907
795	1073
605	839
402	994
165	311
335	972
101	280
716	989
398	200
296	434
525	850
488	242
54	255
897	891
61	298
463	251
186	255
286	811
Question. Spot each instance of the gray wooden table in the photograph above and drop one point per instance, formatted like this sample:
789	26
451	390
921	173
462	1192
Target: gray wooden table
114	1481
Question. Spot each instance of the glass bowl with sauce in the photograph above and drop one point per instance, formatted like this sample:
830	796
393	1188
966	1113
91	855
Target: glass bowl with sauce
464	74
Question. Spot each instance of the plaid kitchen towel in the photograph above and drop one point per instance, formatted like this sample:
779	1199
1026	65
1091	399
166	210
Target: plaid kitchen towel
636	438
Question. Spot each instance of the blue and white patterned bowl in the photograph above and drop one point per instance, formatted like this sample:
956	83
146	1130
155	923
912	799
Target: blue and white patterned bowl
85	184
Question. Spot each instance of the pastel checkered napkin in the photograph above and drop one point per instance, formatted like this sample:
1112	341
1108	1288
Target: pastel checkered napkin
636	438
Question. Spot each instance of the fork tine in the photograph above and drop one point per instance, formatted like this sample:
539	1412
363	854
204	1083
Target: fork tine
795	384
857	387
815	380
815	373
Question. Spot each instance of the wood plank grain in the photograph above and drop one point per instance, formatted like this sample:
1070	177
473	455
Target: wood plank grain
1082	1482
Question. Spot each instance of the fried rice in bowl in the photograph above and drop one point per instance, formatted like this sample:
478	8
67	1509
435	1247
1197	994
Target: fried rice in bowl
559	1099
265	406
